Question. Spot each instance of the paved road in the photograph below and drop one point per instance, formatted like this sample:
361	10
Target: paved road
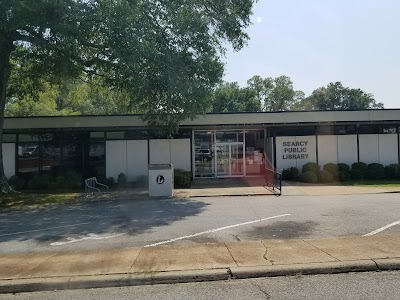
374	285
123	223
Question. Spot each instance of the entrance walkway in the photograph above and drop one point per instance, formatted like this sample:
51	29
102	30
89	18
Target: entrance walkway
226	187
250	186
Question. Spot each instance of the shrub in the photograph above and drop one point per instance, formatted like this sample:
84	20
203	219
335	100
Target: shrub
39	182
357	174
359	170
344	176
360	166
122	179
311	167
392	171
290	174
109	181
73	180
309	177
331	168
60	182
17	183
376	171
343	167
182	178
325	176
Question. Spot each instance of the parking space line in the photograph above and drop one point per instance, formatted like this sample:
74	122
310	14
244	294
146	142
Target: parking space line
90	236
43	229
382	228
214	230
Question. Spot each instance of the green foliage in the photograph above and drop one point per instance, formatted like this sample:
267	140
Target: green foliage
182	179
230	97
165	56
17	183
309	177
39	182
311	167
360	166
392	171
290	173
70	181
109	181
336	97
331	168
344	176
357	174
343	167
122	179
71	97
275	94
359	171
73	180
376	171
325	176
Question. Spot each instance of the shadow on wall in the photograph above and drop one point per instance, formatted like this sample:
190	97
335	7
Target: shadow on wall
129	216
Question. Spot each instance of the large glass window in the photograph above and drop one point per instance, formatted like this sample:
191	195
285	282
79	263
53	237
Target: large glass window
224	153
229	136
73	151
28	154
96	163
50	150
254	152
204	155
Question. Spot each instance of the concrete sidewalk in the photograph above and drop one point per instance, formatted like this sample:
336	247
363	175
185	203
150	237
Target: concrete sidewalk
25	272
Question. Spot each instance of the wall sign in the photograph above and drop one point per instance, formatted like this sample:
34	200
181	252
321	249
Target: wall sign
295	150
160	179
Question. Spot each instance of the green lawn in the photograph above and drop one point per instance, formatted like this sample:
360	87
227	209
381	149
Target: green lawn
35	200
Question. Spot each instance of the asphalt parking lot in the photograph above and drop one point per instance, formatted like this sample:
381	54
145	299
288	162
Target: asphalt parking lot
138	223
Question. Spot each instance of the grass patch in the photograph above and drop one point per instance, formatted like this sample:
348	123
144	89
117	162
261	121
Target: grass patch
35	200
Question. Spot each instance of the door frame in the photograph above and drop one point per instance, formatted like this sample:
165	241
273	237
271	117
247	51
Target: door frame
229	144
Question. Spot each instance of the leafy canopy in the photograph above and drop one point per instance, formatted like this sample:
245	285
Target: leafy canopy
165	54
337	97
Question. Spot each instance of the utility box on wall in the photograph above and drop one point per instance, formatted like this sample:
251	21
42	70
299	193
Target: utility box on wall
161	180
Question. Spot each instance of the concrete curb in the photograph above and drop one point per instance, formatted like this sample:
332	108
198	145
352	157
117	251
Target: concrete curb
304	269
115	280
388	264
118	280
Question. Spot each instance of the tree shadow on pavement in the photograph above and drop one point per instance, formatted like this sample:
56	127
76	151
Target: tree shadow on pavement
132	217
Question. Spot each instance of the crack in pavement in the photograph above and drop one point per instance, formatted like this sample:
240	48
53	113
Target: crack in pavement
265	254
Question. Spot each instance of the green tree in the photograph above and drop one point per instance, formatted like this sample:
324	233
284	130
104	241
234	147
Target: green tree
275	94
230	97
164	54
71	97
337	97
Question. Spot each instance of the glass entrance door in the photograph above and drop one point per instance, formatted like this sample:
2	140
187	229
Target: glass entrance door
229	159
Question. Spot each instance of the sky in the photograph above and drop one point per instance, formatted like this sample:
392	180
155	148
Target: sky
316	42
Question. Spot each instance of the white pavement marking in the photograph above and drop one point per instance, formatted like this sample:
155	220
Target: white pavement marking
214	230
43	229
90	236
382	228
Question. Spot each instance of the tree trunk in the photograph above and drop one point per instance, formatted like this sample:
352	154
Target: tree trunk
6	47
